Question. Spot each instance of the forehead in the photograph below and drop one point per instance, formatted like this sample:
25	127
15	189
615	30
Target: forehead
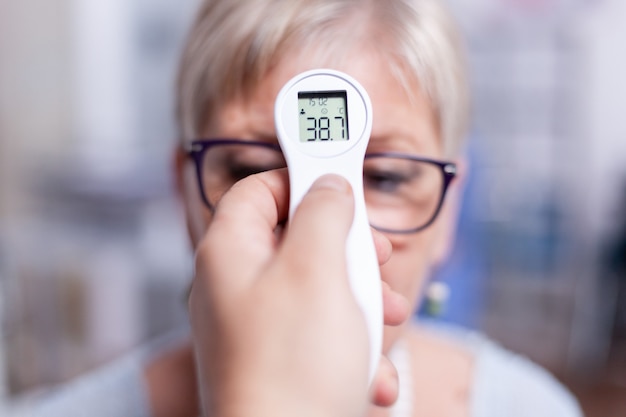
403	118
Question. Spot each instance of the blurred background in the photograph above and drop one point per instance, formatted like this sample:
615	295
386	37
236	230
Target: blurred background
94	258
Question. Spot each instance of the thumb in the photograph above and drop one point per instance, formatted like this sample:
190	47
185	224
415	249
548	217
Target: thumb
315	242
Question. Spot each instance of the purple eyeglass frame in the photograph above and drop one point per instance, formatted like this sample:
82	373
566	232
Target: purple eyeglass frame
196	149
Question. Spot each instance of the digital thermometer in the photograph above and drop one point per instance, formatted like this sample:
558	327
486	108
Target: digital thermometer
323	121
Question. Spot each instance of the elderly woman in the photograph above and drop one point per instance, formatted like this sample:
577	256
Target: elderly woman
407	55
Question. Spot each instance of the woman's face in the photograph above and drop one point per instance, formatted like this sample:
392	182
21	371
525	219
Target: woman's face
400	124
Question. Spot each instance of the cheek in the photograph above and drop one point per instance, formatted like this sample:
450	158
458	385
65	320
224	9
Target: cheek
407	271
412	259
407	268
198	220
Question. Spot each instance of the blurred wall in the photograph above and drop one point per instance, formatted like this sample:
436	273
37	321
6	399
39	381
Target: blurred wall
548	145
93	252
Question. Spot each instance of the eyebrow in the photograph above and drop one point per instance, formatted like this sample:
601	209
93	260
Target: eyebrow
264	136
397	142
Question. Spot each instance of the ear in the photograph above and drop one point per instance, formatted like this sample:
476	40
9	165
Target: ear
188	193
179	160
449	215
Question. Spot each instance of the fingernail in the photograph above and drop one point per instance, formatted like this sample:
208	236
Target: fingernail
331	182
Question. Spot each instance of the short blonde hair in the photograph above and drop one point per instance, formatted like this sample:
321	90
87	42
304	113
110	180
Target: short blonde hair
233	44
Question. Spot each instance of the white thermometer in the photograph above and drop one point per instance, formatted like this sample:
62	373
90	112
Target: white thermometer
323	121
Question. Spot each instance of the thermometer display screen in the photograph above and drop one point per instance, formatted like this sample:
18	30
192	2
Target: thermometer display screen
323	116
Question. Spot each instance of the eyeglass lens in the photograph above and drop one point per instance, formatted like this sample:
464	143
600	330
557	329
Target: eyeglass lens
401	194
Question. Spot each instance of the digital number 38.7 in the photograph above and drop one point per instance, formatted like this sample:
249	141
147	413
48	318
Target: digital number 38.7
324	128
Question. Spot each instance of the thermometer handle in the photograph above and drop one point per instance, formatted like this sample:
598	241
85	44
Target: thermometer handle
323	96
362	261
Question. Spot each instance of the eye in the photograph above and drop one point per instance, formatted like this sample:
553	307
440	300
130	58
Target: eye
226	164
240	170
384	180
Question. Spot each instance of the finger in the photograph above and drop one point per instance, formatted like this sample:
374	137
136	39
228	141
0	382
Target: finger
396	308
315	242
243	228
383	246
385	387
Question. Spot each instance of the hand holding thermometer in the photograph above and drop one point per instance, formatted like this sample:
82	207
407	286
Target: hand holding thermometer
323	121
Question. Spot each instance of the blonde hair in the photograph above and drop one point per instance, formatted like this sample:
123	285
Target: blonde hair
233	44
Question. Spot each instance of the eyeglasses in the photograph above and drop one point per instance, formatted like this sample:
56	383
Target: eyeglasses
403	193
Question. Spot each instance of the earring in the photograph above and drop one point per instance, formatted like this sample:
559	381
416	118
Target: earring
436	298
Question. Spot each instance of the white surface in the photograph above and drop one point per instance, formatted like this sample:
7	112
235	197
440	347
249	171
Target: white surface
105	119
